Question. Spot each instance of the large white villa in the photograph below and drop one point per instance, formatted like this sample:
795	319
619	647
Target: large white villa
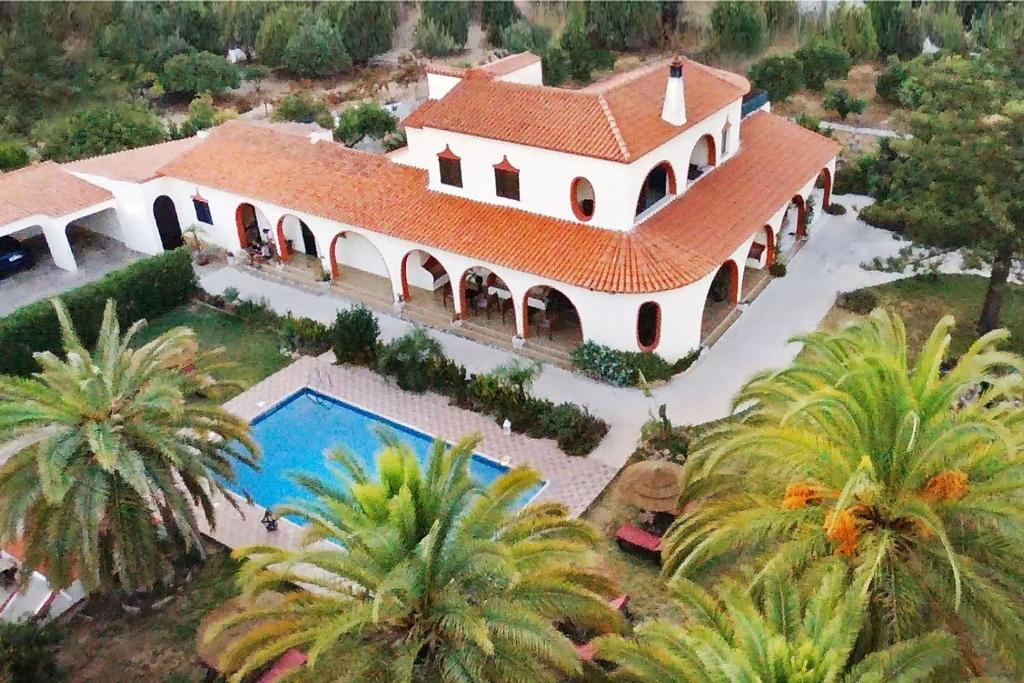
634	213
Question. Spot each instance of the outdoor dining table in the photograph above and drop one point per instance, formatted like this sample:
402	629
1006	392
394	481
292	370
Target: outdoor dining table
505	295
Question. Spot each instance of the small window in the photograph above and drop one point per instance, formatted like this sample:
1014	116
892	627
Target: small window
203	214
582	196
725	138
648	326
506	180
451	168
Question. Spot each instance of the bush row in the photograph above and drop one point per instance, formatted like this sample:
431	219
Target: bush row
300	335
417	363
626	368
143	289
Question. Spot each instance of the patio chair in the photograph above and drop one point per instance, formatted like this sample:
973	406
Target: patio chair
632	538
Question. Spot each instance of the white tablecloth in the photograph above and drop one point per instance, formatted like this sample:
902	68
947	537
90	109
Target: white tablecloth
504	295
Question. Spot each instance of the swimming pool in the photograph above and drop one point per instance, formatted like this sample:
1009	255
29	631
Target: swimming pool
295	433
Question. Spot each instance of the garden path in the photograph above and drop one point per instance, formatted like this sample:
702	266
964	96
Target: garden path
829	263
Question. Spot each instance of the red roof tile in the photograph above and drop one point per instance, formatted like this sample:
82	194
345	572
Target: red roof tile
619	119
45	189
510	64
134	165
680	244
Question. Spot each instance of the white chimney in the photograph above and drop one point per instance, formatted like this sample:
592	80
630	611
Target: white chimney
674	109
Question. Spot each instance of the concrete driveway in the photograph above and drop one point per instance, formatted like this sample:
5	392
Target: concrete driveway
96	255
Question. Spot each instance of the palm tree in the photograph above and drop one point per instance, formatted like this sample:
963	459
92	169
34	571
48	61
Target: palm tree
911	473
113	451
440	579
783	637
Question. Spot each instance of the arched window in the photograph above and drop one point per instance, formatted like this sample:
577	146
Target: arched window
648	326
506	180
658	184
583	201
450	166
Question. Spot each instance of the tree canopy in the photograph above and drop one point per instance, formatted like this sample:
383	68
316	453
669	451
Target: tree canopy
365	120
957	183
122	448
441	579
196	72
908	468
316	49
99	130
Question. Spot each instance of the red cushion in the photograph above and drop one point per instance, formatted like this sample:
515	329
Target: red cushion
634	535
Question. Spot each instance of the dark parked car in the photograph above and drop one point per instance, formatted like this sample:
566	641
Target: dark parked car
14	256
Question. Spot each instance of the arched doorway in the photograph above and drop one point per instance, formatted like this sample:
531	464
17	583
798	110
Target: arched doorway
167	224
294	236
253	226
762	249
722	297
549	316
702	158
801	215
648	326
659	183
423	273
825	182
483	293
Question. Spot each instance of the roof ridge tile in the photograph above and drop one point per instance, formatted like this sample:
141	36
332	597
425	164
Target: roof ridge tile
623	148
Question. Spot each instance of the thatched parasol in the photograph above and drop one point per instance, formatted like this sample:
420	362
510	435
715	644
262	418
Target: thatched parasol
211	652
653	485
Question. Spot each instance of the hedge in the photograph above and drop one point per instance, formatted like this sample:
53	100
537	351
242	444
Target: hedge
625	368
143	289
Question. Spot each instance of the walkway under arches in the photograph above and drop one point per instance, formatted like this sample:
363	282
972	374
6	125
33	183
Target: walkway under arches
721	300
357	264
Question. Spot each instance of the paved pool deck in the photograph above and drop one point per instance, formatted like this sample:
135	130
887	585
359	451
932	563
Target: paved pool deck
574	481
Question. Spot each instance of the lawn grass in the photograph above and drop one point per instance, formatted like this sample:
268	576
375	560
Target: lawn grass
254	352
924	299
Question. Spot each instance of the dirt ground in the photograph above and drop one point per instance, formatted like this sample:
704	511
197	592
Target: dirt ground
860	83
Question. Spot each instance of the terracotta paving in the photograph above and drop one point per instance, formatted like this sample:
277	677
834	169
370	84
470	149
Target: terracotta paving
573	481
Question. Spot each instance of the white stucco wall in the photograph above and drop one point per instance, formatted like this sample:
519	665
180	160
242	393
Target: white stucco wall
134	203
531	74
439	85
545	176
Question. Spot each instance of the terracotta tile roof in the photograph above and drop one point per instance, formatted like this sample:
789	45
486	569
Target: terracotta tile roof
134	165
506	65
444	70
683	242
618	120
45	189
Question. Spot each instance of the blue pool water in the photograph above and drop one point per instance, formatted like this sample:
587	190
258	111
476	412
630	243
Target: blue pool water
295	434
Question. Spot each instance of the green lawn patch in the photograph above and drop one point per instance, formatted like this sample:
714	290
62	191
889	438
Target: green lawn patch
924	299
255	352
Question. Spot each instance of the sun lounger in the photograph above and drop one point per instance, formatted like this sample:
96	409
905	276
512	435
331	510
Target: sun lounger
290	660
29	604
632	537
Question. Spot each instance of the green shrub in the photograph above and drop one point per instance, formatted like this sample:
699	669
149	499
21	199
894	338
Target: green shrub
413	360
304	335
418	364
258	312
575	430
777	269
844	103
555	66
738	26
143	289
99	130
12	155
887	87
882	216
621	368
195	72
303	107
835	209
522	36
451	16
853	177
432	40
355	336
822	61
316	50
365	120
852	28
779	75
860	301
27	653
